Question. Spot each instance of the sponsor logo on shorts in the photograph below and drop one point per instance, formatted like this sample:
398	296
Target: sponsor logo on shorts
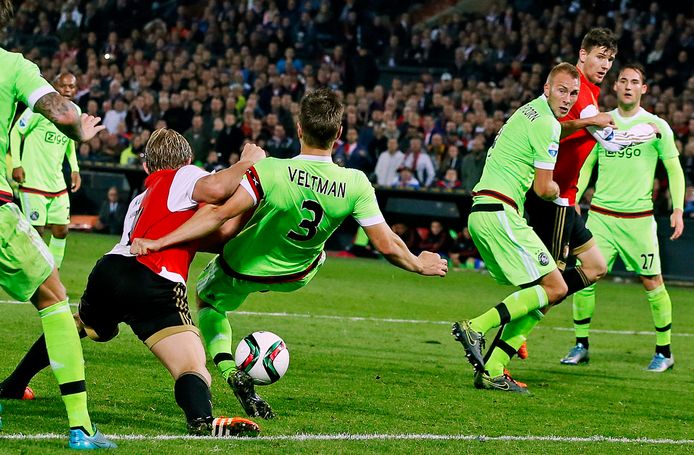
543	259
34	215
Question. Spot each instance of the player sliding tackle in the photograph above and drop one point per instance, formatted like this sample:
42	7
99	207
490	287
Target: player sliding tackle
523	156
621	214
299	203
149	292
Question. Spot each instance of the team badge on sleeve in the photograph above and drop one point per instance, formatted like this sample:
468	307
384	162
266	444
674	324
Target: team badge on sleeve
553	149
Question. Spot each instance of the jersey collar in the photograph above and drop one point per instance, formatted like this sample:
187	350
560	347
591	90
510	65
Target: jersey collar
626	119
325	159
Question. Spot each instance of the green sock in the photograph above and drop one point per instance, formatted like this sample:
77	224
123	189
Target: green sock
216	331
583	307
513	335
57	248
511	308
661	309
65	354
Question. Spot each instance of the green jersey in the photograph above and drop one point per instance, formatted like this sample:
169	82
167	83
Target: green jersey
625	177
300	203
529	139
41	153
20	80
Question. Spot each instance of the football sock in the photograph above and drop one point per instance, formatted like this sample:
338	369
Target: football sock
513	335
583	307
57	248
216	331
35	360
512	307
575	280
193	396
661	309
65	354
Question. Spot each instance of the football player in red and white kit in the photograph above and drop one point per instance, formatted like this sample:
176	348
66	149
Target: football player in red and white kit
149	292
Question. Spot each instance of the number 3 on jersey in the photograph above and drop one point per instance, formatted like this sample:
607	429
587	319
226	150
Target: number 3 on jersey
311	226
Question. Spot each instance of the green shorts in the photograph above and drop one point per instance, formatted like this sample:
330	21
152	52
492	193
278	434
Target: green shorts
511	250
227	293
25	261
41	210
635	240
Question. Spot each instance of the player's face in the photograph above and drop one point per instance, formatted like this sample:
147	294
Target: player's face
630	87
67	86
596	63
562	93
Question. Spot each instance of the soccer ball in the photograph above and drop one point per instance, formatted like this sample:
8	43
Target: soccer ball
264	356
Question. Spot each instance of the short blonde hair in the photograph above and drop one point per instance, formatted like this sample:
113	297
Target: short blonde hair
167	149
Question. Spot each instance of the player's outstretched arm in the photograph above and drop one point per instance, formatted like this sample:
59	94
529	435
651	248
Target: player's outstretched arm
205	221
397	253
600	121
65	117
218	187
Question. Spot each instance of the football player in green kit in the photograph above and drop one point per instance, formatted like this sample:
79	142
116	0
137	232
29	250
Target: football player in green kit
38	149
299	203
621	214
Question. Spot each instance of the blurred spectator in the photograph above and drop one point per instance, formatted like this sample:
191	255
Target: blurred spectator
416	158
212	163
463	252
229	138
281	146
353	155
452	160
450	180
388	164
473	164
111	214
437	239
407	234
406	179
198	139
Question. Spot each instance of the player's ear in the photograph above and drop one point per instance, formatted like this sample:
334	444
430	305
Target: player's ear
582	54
299	131
144	166
645	89
546	91
339	133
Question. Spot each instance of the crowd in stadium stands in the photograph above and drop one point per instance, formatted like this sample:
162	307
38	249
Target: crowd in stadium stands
226	72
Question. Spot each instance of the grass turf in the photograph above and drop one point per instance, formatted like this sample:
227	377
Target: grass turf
372	376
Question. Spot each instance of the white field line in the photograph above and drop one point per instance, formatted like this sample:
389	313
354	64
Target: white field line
369	437
402	321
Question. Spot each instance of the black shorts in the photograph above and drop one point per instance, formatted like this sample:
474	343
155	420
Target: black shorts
120	289
560	228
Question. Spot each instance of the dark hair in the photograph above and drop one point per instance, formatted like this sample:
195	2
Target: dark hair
6	12
599	37
320	117
636	66
564	67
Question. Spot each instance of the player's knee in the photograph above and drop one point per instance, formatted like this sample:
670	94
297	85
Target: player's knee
60	231
555	289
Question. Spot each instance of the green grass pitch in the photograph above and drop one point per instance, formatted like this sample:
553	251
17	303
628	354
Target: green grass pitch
371	354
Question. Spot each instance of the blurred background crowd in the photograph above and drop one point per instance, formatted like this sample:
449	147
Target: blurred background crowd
426	86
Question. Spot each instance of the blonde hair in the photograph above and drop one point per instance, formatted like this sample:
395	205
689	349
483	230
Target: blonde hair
167	149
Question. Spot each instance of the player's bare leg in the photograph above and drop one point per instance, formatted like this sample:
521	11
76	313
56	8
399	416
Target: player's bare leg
183	355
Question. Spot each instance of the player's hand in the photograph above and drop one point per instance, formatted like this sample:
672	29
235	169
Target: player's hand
252	153
76	180
18	174
677	224
604	120
90	126
140	247
432	264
